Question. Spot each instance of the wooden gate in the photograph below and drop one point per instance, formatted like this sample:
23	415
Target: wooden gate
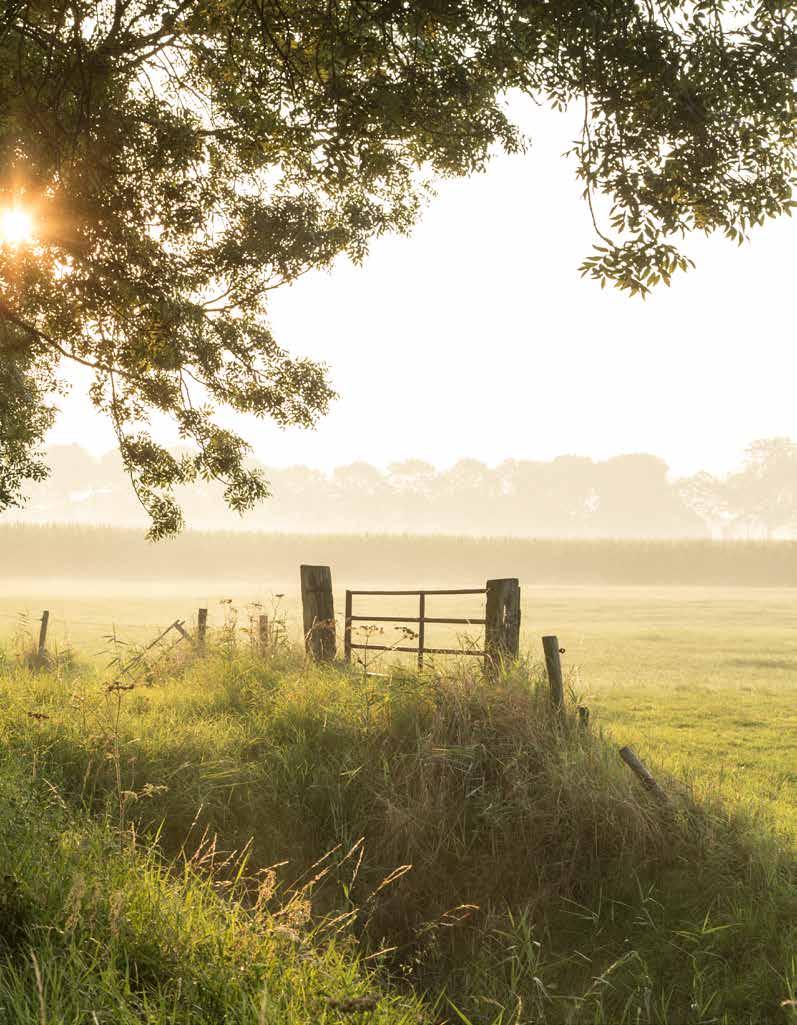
501	622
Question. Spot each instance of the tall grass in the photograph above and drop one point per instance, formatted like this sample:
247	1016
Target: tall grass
32	552
97	933
529	878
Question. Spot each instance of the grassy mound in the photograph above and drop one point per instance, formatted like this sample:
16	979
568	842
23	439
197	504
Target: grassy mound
503	861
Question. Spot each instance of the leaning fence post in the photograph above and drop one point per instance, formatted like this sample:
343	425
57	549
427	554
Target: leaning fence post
262	633
318	612
553	664
42	649
643	774
201	629
502	622
178	625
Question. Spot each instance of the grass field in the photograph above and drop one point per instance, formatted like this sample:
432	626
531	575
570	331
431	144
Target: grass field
591	905
488	862
702	679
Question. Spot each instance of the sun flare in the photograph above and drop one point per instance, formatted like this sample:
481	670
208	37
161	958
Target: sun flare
16	226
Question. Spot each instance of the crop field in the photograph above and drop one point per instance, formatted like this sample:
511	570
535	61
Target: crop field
702	680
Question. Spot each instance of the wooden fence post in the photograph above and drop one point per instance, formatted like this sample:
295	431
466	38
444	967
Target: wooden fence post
42	649
201	629
262	633
347	628
643	774
318	612
179	626
421	628
553	664
502	622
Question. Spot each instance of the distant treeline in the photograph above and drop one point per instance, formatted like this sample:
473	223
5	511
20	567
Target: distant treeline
270	560
628	496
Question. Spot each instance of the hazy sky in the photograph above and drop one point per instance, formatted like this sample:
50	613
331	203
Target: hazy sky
477	337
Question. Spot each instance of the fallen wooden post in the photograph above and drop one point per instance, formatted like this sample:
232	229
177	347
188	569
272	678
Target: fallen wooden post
643	774
178	626
138	659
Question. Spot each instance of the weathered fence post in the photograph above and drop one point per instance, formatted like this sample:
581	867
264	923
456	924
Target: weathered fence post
179	626
262	633
41	653
502	622
201	629
553	664
318	612
421	628
347	628
643	774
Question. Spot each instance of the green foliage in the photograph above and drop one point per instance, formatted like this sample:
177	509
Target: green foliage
25	417
545	885
184	158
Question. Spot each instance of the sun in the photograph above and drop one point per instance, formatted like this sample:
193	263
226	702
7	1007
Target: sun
16	226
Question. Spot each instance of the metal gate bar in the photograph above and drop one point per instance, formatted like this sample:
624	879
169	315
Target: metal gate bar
421	619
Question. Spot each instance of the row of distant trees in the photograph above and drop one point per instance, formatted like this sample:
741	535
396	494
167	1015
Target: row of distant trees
571	496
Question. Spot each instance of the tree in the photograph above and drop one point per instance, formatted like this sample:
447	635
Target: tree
635	498
704	494
358	494
760	498
548	498
182	158
465	498
764	493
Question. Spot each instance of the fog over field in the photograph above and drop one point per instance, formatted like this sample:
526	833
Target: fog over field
628	496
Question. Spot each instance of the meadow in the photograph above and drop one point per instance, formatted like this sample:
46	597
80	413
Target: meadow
704	679
257	839
546	886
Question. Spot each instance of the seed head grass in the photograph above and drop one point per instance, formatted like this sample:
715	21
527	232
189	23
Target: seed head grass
431	846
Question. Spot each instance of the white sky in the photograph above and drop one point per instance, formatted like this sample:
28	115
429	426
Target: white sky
476	337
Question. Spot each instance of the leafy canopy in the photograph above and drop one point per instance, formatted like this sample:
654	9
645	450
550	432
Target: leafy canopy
182	158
